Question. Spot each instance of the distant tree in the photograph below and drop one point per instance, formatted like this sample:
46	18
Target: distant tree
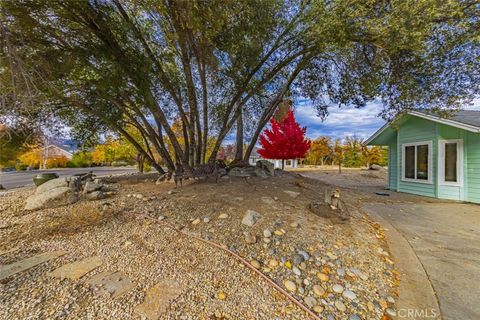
81	159
320	150
227	153
32	158
284	140
353	147
338	154
374	155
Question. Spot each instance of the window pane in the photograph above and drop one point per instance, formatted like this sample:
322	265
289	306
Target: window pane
410	162
451	162
422	162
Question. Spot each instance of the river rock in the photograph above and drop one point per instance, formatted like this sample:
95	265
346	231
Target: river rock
250	218
318	290
349	295
290	285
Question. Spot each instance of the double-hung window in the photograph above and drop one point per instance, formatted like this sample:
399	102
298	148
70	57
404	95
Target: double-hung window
450	162
417	162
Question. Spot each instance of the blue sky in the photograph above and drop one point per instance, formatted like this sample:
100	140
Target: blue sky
341	122
345	121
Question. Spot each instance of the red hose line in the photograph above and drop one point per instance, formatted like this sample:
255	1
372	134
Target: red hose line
239	258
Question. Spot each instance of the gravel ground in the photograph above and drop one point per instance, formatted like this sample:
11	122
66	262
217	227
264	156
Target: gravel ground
341	271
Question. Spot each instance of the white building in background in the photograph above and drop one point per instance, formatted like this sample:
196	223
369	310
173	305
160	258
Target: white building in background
289	163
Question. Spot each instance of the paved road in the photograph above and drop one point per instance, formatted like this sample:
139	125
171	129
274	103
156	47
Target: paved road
446	240
23	178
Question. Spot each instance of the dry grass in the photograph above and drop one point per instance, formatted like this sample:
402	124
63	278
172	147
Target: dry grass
74	220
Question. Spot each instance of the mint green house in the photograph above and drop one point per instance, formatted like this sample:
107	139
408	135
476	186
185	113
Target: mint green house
433	156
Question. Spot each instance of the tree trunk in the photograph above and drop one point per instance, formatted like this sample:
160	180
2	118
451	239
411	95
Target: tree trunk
283	164
239	138
140	162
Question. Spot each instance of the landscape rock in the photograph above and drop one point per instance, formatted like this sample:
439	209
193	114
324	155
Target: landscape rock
267	233
239	172
290	285
91	186
349	295
158	298
318	290
266	166
25	264
77	269
52	184
376	167
323	277
337	288
292	194
250	218
310	302
297	259
95	195
112	284
340	306
250	238
260	173
53	198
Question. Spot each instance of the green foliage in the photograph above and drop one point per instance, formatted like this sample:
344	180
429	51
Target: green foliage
21	166
14	141
81	159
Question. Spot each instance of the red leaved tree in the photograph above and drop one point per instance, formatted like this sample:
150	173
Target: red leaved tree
284	139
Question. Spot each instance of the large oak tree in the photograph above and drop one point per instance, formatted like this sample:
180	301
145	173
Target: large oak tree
219	67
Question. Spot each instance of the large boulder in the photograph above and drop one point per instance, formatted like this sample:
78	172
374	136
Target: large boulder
52	184
54	197
267	166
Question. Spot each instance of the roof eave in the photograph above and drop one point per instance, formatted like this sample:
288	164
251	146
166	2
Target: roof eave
449	122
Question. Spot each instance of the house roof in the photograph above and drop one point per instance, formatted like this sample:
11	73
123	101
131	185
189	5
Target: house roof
464	119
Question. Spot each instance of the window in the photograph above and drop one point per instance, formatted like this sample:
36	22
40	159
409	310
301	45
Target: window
417	162
450	166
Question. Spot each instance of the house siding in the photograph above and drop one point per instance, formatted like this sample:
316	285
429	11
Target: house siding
445	133
392	165
416	130
472	168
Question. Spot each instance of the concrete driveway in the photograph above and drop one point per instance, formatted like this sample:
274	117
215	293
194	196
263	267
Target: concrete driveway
446	239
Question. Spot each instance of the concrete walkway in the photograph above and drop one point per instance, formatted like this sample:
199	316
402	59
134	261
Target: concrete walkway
445	238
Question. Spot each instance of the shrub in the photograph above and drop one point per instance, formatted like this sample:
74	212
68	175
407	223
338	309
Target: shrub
21	166
80	159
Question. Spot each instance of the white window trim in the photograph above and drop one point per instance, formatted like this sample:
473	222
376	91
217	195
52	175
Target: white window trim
430	162
441	163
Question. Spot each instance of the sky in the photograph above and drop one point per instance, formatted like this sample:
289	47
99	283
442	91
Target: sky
345	121
341	122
